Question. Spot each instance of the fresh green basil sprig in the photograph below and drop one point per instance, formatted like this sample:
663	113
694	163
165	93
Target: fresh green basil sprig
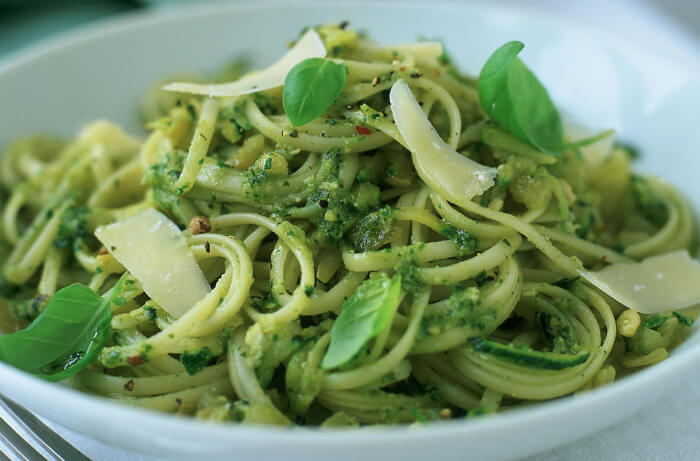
311	87
514	98
365	314
65	337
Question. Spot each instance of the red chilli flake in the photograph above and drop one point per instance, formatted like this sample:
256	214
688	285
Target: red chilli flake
402	68
363	130
135	360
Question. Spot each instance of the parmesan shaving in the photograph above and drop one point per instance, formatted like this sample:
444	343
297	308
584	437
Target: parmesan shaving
438	165
308	46
154	250
660	283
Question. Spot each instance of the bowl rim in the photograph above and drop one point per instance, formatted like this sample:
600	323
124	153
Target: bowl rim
124	20
26	388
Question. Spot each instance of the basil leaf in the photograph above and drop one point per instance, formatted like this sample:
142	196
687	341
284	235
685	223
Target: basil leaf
365	314
512	96
65	337
311	87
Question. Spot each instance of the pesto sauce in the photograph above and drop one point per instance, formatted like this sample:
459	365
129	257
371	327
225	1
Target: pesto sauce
194	362
373	231
557	333
338	209
408	270
466	242
462	310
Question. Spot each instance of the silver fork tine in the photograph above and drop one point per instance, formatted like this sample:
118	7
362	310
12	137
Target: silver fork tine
14	447
41	438
20	437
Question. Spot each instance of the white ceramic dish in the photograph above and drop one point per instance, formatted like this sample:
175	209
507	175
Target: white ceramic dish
101	71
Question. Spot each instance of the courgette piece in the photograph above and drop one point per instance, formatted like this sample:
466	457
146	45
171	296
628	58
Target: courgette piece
527	357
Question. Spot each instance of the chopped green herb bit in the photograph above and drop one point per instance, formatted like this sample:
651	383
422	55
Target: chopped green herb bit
195	362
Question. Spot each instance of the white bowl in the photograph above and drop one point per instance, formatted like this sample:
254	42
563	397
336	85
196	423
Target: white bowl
101	72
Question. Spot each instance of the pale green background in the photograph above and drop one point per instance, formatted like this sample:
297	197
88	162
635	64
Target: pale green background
24	21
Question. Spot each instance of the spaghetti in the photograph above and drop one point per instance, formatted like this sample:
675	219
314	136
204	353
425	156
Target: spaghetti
290	222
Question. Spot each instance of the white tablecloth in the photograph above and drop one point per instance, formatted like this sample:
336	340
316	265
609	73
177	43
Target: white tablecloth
667	430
